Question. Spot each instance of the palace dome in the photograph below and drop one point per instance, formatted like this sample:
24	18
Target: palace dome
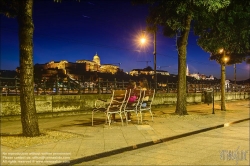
96	59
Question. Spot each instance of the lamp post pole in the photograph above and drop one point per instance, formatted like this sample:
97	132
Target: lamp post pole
223	80
142	40
155	74
235	77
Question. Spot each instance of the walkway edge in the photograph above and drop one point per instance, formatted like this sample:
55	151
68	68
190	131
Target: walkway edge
145	144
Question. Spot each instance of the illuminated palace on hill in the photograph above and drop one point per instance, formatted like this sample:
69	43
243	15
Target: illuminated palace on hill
77	68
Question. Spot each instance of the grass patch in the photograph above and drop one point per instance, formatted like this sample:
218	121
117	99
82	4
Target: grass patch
18	140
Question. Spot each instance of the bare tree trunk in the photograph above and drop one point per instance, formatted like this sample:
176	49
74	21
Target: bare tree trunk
182	42
28	109
223	87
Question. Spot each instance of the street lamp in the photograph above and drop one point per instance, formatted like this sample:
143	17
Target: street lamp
143	41
224	60
235	77
155	60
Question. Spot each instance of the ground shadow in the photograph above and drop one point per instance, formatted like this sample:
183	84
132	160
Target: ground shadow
86	122
11	134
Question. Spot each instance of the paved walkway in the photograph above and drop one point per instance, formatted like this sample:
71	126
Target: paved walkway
220	146
87	143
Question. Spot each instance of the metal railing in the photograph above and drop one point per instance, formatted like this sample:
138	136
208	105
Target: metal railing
10	86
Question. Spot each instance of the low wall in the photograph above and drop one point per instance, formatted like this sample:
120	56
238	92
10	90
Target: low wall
54	105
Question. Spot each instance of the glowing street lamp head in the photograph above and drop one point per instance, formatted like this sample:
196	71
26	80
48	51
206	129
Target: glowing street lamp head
226	59
143	40
221	50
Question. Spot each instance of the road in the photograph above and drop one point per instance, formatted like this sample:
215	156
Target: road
228	145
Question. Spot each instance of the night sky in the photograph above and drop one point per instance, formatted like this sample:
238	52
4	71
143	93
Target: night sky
73	30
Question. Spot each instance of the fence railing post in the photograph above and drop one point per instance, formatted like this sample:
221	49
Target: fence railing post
79	86
57	84
107	86
195	87
115	84
68	84
8	90
167	87
99	91
15	85
63	87
37	89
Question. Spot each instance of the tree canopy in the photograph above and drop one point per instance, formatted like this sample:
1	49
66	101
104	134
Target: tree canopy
9	8
228	29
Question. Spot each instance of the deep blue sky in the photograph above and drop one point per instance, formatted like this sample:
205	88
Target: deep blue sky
73	30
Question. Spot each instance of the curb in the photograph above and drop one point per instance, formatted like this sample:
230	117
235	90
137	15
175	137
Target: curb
145	144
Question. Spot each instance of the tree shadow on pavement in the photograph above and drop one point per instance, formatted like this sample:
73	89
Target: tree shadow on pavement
85	122
10	134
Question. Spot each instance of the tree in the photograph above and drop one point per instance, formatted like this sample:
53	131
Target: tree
28	108
23	11
176	17
228	29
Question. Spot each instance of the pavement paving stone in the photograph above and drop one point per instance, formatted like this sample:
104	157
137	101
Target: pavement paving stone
91	140
211	160
43	147
88	151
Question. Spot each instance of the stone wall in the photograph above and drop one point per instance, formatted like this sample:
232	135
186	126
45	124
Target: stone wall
73	104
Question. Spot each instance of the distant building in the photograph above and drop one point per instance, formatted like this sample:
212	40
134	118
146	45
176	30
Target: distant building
227	83
93	65
195	75
199	76
162	72
59	65
147	71
211	77
135	72
109	68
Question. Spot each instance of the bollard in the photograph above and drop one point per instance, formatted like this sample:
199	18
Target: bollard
208	97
